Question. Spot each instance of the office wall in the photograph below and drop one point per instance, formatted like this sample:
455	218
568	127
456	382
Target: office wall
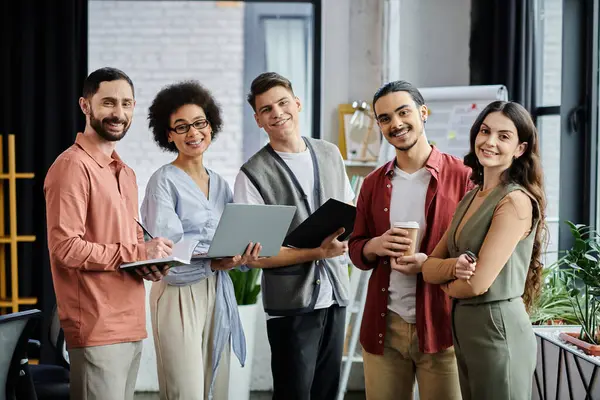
433	43
161	42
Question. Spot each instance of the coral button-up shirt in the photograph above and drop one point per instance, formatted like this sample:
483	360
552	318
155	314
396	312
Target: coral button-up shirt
450	180
91	206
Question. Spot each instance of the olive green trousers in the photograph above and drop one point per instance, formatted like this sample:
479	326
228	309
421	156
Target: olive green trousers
495	349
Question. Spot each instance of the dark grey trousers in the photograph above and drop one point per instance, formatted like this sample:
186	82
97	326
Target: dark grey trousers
306	354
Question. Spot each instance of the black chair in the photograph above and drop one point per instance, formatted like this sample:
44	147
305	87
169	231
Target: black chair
51	380
15	330
36	381
57	341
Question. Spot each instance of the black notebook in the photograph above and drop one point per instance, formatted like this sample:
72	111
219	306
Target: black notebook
327	219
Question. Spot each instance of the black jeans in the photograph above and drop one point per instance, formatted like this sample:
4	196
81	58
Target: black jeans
306	354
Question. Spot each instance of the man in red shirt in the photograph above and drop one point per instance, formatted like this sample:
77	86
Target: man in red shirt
406	331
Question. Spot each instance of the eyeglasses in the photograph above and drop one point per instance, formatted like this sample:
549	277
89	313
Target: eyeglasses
184	128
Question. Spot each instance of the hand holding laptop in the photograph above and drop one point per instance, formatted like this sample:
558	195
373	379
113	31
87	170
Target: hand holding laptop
241	224
250	255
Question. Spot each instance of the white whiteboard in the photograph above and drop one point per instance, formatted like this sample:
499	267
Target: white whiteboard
453	110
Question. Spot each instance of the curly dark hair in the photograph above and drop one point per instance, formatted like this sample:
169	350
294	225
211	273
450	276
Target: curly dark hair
170	99
525	171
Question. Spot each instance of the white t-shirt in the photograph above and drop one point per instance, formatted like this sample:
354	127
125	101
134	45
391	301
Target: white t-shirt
407	204
301	165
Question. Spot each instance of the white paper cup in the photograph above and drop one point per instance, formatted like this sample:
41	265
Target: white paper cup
413	231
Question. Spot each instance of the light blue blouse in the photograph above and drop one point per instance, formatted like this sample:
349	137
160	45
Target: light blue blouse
174	207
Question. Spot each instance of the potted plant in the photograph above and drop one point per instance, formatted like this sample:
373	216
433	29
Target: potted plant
553	306
247	288
582	278
574	280
246	285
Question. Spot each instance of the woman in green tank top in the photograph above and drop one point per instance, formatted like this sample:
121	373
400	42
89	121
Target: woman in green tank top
489	259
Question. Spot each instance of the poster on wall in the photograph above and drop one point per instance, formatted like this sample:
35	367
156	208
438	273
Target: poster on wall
452	111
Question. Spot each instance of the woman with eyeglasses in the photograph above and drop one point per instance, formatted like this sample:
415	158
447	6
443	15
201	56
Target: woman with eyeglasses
193	309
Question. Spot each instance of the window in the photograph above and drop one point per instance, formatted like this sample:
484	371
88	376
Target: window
565	111
549	131
549	36
288	52
548	95
282	37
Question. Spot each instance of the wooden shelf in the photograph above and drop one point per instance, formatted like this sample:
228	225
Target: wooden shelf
26	238
10	236
18	175
21	301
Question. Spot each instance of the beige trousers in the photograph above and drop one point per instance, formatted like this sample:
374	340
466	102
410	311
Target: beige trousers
391	376
182	324
105	372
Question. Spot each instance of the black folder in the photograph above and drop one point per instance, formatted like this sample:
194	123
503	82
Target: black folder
327	219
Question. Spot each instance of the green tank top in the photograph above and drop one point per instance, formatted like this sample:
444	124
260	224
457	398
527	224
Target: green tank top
510	283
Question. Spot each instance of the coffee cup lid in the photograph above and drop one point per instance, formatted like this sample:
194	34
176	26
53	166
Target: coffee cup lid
407	225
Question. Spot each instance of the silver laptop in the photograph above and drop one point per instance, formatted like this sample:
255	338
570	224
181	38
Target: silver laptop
241	224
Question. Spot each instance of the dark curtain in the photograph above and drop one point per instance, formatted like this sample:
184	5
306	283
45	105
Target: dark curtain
502	47
44	64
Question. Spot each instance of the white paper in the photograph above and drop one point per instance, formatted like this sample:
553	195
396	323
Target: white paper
184	249
181	255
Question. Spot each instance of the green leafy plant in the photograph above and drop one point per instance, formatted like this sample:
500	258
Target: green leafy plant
553	305
245	285
580	269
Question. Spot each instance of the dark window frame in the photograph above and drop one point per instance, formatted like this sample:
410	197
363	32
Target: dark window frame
252	136
579	115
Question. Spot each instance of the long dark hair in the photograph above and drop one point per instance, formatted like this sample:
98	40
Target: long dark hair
526	171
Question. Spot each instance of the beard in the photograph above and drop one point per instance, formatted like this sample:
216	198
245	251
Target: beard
410	145
98	126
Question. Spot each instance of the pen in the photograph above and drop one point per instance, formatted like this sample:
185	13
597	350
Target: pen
144	229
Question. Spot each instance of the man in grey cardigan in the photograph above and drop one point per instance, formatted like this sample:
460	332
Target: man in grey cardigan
304	291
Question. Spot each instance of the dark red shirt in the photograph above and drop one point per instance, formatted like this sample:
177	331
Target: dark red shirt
449	183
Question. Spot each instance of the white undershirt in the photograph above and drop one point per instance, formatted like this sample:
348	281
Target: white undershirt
407	204
302	167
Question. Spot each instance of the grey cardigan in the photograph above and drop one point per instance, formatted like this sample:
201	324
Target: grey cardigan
294	289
